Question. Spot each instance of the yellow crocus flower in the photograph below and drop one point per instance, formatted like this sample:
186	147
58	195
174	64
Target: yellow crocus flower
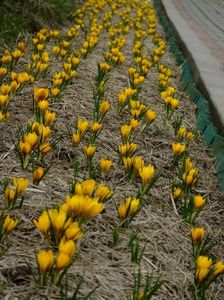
199	202
9	224
203	265
10	194
3	71
174	103
45	260
82	126
45	148
203	262
67	67
88	187
23	77
146	174
16	54
5	89
40	94
76	138
138	164
67	247
127	161
37	175
103	193
178	148
43	223
89	151
49	117
104	107
189	136
73	232
25	148
125	132
84	206
128	208
75	60
133	123
20	185
43	105
44	132
104	66
96	127
121	99
63	261
31	138
181	133
150	115
55	91
201	274
218	269
105	164
59	221
4	99
56	50
177	191
197	234
14	86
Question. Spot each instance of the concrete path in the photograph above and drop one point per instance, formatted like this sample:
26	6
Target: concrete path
200	27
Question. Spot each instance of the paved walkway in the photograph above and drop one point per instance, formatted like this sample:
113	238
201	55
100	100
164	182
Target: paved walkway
200	26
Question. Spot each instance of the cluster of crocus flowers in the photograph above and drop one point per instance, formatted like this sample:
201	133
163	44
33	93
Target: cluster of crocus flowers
10	59
133	165
124	97
137	109
41	104
14	191
170	102
91	189
50	268
189	178
81	128
115	57
34	143
187	172
127	150
184	135
206	271
63	223
164	75
39	64
159	51
7	91
128	209
5	94
135	79
55	225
